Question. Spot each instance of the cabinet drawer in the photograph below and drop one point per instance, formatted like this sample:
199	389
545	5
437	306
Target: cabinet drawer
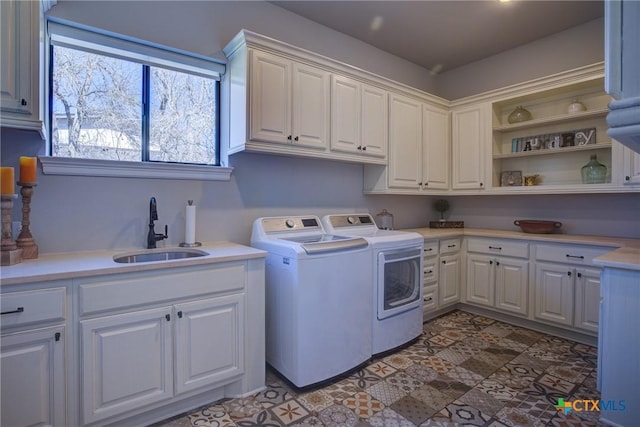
135	289
503	247
430	248
570	254
430	270
22	308
430	297
449	246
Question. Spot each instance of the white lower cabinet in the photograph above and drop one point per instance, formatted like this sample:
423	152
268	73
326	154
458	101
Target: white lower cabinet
33	378
498	274
568	293
449	281
430	277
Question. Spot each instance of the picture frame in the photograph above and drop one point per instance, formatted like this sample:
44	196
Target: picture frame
511	179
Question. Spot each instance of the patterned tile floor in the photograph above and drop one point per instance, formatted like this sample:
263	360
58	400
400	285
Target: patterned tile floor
465	370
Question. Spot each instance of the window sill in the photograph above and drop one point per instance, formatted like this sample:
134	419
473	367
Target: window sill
122	169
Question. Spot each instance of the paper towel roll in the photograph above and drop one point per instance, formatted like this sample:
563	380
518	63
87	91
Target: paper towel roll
190	225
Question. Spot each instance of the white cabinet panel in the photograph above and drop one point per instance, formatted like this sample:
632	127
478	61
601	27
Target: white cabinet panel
311	105
209	337
449	282
468	139
480	279
345	114
405	142
33	378
127	362
554	293
375	119
511	279
587	299
630	167
435	148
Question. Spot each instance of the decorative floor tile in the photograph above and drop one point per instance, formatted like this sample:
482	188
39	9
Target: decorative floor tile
464	376
515	417
386	393
432	397
213	416
398	361
441	340
413	409
441	366
316	400
381	369
363	405
388	417
557	383
338	416
459	413
289	412
422	373
491	374
404	382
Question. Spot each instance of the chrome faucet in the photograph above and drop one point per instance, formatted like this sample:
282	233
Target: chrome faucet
153	237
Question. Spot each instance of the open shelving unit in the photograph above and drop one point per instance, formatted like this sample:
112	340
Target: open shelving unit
558	166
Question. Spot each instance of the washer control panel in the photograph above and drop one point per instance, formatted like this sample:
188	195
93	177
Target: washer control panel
351	220
310	223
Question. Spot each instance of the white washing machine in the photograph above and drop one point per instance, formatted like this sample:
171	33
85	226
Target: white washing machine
397	278
318	298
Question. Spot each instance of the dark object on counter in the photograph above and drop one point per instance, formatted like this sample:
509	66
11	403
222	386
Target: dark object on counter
536	226
446	224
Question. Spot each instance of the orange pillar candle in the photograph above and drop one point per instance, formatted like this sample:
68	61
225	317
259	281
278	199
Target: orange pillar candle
28	169
7	185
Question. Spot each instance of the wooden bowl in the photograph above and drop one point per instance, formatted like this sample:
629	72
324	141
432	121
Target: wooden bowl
537	227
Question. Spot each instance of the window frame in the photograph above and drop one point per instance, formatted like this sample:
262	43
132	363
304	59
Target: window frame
75	36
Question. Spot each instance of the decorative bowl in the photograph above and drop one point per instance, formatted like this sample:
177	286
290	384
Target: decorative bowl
536	226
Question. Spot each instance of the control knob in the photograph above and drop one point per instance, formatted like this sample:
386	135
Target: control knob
289	223
351	220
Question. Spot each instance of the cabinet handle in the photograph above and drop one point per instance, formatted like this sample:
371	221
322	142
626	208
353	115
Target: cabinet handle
428	299
569	273
444	261
428	249
497	248
295	139
359	147
627	178
497	262
168	317
289	138
17	310
451	246
180	314
23	101
575	256
490	262
57	336
428	272
364	148
579	274
419	184
481	184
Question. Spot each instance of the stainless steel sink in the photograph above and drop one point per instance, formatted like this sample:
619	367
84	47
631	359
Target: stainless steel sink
161	255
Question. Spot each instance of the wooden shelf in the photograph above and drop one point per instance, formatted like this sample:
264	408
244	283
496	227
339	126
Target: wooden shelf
553	151
563	118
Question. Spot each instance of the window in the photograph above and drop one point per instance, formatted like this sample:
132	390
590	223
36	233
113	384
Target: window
115	99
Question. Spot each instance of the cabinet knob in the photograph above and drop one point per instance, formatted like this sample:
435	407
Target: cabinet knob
359	147
569	273
168	317
444	261
296	138
289	138
579	274
490	262
497	262
419	184
481	184
364	148
57	336
180	314
23	101
627	178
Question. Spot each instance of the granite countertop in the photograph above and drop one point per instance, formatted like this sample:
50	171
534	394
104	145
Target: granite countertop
625	253
93	263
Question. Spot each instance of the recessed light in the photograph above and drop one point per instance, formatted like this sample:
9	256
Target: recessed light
376	23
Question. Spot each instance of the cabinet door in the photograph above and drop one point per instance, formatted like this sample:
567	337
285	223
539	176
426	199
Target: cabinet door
126	362
345	115
435	148
209	341
310	114
554	293
469	126
587	302
33	378
405	142
374	121
631	167
480	279
270	98
19	41
511	280
449	281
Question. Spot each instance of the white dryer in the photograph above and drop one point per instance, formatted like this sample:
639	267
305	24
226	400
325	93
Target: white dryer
318	298
396	267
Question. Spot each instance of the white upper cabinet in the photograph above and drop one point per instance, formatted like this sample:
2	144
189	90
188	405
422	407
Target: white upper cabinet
435	147
21	82
405	142
290	102
358	117
469	126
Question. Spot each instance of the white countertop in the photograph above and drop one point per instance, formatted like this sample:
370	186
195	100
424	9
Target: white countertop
625	253
82	264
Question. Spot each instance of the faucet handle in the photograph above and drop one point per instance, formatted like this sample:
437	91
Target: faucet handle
160	236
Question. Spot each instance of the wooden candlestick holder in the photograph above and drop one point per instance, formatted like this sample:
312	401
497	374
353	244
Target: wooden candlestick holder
9	252
25	240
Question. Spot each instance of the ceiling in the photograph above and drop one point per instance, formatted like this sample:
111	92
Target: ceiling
443	35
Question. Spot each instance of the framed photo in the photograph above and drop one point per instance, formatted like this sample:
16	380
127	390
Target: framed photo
511	178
